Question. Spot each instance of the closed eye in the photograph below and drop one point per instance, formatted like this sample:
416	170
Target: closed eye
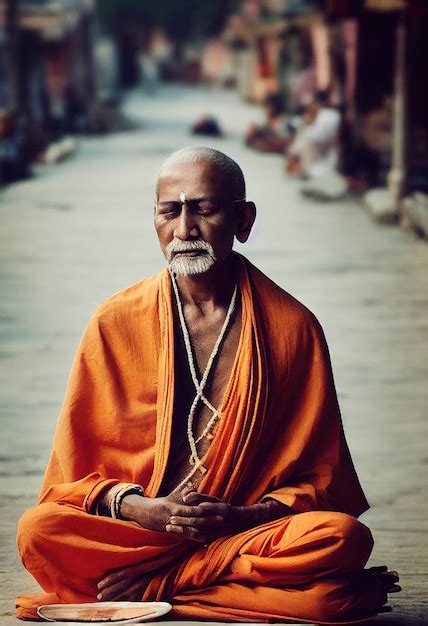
168	208
206	207
202	206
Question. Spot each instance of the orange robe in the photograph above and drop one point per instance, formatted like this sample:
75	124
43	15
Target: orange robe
280	436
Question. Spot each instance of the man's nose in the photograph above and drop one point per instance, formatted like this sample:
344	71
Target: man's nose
186	227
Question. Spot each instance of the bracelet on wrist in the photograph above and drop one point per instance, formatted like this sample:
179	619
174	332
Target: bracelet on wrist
118	493
131	489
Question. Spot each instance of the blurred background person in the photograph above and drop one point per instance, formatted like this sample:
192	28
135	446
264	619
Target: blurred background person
272	135
314	150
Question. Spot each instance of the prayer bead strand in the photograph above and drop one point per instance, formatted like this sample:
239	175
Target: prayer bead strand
199	386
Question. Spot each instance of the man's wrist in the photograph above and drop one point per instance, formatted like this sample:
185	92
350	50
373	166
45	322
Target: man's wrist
265	512
110	501
274	509
256	514
130	508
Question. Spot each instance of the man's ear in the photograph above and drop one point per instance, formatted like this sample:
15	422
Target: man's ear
245	216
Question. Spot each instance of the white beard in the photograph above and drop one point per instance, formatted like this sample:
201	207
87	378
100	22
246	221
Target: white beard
190	266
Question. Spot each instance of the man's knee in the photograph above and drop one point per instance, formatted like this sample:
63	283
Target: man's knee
35	527
355	539
351	530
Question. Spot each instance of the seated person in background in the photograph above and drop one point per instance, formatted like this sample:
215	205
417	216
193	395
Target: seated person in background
199	456
207	125
313	151
271	136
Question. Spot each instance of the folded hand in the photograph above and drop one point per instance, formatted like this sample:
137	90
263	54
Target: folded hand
155	513
208	518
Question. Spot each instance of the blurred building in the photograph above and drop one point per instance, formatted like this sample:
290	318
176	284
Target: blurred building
47	80
369	55
388	109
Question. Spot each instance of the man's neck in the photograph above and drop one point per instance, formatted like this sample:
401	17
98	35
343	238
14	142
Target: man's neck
212	289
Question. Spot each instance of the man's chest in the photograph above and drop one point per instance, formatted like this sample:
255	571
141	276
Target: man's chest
185	392
204	354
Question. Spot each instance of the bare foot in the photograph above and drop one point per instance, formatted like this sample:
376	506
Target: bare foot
388	581
125	583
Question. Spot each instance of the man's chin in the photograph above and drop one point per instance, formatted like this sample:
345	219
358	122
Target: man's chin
183	265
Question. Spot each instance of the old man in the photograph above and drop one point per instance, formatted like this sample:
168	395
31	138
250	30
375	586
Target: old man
199	456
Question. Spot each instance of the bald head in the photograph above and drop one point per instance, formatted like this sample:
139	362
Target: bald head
228	169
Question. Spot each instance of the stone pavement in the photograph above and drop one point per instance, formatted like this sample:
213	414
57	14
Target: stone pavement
81	230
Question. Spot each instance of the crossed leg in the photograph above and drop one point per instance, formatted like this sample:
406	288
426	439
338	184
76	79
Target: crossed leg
305	567
68	551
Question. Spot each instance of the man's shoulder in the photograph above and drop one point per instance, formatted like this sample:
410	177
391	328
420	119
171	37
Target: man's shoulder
138	297
290	328
277	304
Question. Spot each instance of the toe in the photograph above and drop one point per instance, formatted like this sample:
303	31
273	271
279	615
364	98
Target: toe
380	569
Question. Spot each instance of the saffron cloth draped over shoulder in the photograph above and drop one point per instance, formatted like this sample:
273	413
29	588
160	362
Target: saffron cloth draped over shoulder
280	435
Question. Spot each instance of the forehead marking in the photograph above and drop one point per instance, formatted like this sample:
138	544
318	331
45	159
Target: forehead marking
182	196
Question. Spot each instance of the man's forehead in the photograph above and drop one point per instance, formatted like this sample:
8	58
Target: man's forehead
187	175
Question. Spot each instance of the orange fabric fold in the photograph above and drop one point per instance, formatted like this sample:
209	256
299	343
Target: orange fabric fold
280	435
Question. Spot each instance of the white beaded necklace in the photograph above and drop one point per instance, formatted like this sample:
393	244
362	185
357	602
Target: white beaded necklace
200	386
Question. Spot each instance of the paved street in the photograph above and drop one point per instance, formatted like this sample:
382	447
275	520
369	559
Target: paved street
81	230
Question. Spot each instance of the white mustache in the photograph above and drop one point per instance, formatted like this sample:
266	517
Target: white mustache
195	245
